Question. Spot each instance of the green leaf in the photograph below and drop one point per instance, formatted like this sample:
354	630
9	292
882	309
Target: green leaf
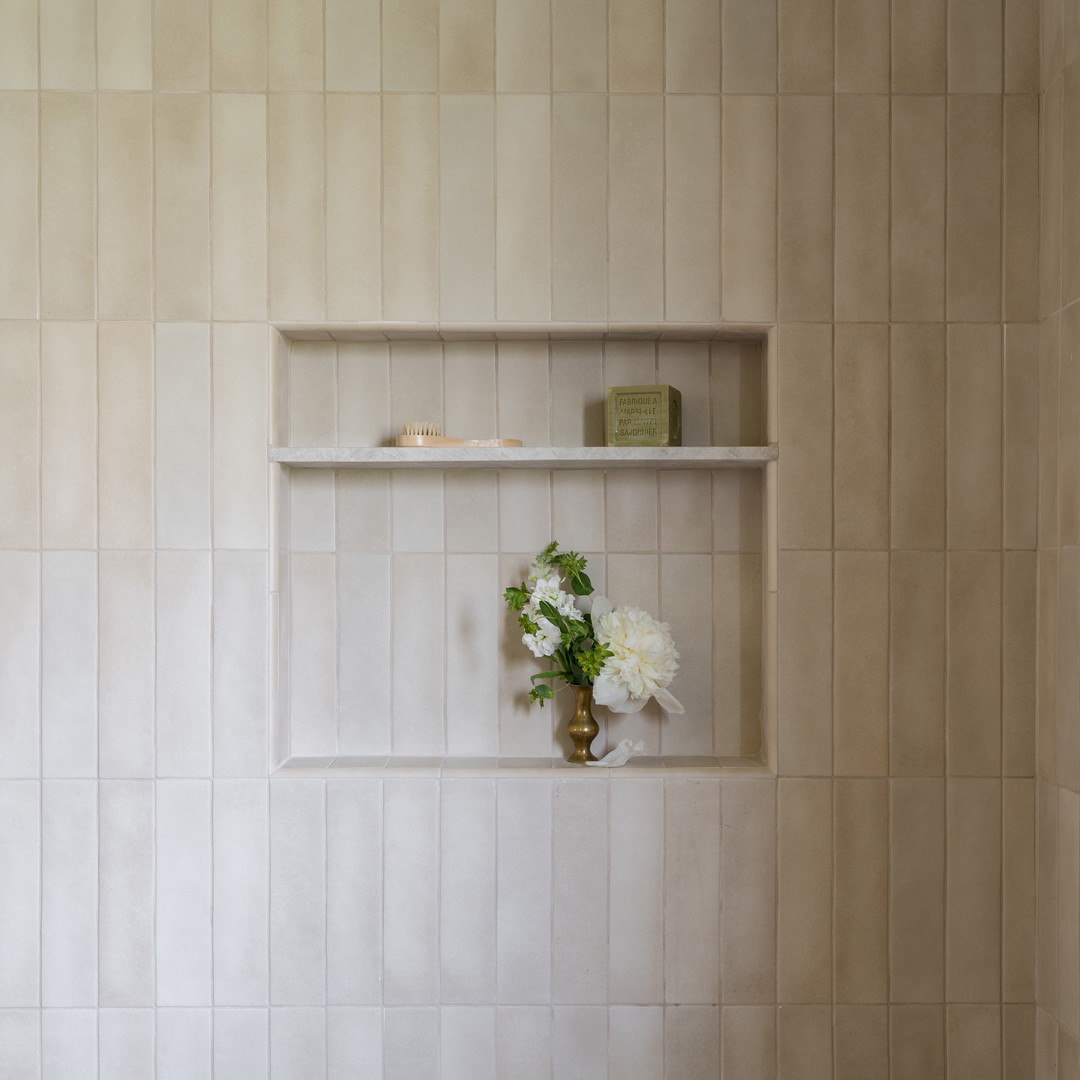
516	598
548	675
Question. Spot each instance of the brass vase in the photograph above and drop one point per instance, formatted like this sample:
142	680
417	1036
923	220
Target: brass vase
582	728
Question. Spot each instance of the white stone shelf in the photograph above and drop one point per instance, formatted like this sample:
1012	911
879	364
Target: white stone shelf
525	457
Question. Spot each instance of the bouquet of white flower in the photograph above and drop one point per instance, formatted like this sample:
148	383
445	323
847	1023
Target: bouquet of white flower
624	654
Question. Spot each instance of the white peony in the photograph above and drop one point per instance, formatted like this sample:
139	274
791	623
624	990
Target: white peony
549	588
643	659
546	639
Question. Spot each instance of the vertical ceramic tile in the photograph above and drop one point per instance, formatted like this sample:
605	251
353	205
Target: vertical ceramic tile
685	511
806	46
973	1035
917	398
354	1041
861	1041
577	1053
410	147
1018	691
181	45
297	1043
312	390
409	48
522	207
68	56
748	210
1046	1047
1070	167
69	596
631	511
354	892
312	685
20	436
126	898
1020	243
524	510
471	510
296	178
467	46
181	206
862	46
352	45
804	890
416	511
748	1041
523	1043
296	45
973	208
692	47
238	206
466	207
297	892
416	383
363	392
20	644
919	46
579	45
467	1044
1046	887
635	46
522	47
1021	47
125	1043
1021	436
1067	427
68	232
1048	531
749	47
916	889
183	663
804	1042
1018	1040
692	1042
578	507
410	1043
20	933
69	1044
19	51
973	702
1046	665
692	208
182	1043
1068	1054
238	32
975	46
1051	179
1018	884
19	204
1068	903
636	1042
917	1042
410	892
1067	684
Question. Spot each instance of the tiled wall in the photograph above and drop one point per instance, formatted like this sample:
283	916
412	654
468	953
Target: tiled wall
864	173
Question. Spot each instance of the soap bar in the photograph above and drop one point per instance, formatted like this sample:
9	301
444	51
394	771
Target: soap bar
644	416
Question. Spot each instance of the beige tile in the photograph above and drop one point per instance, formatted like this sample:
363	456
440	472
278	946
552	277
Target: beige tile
579	255
692	208
975	46
67	44
579	45
419	703
919	60
19	45
804	890
1020	240
295	42
1051	147
973	1034
860	889
805	695
805	208
918	208
1049	404
1068	430
1046	1046
862	46
523	207
1021	436
523	391
1068	1055
916	889
238	57
973	204
805	58
686	364
415	382
1052	29
692	1041
19	205
1046	666
125	381
1018	890
311	395
124	45
748	209
182	206
692	47
685	511
804	1042
861	436
1068	909
917	483
181	45
353	198
125	206
577	383
1070	29
68	153
973	877
973	693
1067	692
353	60
749	47
861	663
805	474
466	46
1018	664
1070	169
917	1042
296	200
1018	1040
861	1041
522	47
20	446
635	208
410	59
635	46
1046	874
738	406
748	1041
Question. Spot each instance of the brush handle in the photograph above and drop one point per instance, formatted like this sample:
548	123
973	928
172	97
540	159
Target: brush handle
444	440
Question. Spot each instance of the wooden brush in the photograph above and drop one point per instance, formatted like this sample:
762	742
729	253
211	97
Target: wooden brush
429	433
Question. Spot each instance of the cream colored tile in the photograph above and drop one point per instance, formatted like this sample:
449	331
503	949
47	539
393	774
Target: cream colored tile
635	46
1018	1040
182	206
804	1042
692	47
577	384
1021	47
749	47
806	46
1046	874
1068	1055
523	1035
805	208
1046	1047
805	474
862	46
737	379
685	511
973	205
748	209
238	205
686	365
1018	890
415	383
917	1042
20	447
238	58
312	390
1049	404
1051	148
1020	254
917	239
466	207
1046	665
1070	217
916	890
919	56
124	45
416	511
419	698
467	46
296	180
363	394
1018	660
1067	692
579	250
296	45
522	47
181	45
577	499
861	660
973	876
19	45
579	45
313	663
1021	436
861	1041
523	207
860	890
68	151
125	402
352	45
20	638
19	205
862	207
976	60
631	511
1068	430
1070	28
1051	40
1068	909
748	1041
125	206
973	701
467	1041
635	208
523	391
804	890
410	59
67	44
973	1035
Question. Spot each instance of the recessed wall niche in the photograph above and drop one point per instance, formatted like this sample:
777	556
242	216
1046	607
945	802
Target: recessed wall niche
394	647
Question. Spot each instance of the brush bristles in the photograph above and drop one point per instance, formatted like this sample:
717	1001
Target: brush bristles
427	427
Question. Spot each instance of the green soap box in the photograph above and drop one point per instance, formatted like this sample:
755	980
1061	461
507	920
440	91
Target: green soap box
644	416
